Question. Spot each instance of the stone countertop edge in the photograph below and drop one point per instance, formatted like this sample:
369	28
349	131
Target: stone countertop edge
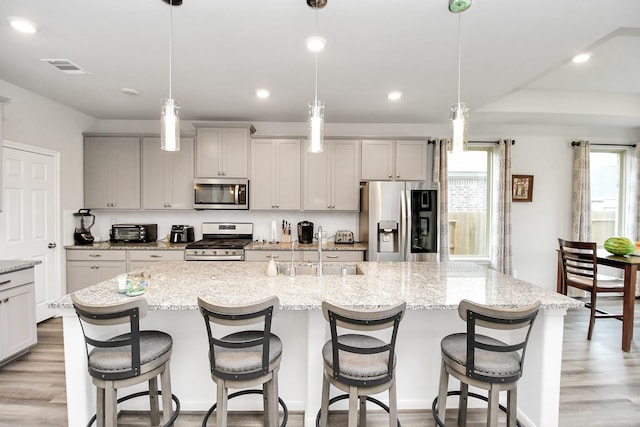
158	245
176	285
286	246
11	266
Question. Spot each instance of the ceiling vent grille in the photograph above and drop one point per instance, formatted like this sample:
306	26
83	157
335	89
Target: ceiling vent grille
65	66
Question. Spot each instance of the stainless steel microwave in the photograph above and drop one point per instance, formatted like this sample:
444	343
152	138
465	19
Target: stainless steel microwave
214	193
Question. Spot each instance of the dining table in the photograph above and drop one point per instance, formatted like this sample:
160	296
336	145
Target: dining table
629	266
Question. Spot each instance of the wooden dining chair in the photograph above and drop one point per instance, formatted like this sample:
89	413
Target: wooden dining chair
580	270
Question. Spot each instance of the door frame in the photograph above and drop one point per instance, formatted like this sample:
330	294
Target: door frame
58	271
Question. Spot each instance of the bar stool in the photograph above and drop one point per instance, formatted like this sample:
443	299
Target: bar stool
483	361
126	359
358	364
244	359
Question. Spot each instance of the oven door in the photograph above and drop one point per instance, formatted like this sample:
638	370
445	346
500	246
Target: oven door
221	193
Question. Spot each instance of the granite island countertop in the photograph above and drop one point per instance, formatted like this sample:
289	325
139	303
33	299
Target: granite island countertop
175	285
16	265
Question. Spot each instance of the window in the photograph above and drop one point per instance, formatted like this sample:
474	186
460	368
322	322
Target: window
607	197
469	193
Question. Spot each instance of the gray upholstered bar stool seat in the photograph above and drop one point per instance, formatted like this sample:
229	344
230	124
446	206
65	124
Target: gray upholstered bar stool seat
126	359
358	364
245	358
483	361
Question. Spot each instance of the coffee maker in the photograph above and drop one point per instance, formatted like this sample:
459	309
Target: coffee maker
305	232
84	221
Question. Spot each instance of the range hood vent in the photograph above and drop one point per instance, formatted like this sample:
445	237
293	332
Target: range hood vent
65	66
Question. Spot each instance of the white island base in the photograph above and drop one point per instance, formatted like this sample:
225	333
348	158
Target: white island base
303	333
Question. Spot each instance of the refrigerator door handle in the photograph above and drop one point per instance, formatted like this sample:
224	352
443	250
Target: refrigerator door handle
404	222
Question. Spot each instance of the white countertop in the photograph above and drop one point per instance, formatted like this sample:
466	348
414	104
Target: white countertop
11	266
175	285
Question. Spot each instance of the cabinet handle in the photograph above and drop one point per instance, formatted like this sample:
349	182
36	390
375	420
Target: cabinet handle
224	173
5	300
95	255
332	256
389	175
155	256
5	282
397	176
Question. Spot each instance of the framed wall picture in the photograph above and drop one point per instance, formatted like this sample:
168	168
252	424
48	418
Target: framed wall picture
522	188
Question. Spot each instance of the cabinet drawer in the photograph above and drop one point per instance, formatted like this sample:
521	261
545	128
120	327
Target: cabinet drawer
280	256
342	256
157	255
16	278
97	255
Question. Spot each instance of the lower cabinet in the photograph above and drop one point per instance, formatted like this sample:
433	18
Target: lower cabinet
87	267
279	256
304	256
17	313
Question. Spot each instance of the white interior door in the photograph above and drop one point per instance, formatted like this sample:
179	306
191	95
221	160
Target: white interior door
30	216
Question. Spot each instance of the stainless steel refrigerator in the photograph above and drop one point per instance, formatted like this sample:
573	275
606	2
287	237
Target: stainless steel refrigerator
399	220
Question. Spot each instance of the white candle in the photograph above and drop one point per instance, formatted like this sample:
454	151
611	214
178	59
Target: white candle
273	231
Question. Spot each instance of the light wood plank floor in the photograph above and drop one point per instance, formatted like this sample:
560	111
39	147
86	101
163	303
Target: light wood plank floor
600	384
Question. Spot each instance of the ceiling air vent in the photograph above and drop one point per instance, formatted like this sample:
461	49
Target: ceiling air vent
65	66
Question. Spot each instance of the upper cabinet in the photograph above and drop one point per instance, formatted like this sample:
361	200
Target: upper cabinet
112	172
275	174
332	178
167	176
222	152
384	160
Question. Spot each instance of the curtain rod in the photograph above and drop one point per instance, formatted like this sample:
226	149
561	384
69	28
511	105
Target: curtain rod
577	144
513	142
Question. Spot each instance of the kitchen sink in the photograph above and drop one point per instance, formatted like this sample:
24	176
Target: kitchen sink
327	269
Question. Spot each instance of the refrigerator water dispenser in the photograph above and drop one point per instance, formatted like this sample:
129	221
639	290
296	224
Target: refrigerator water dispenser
388	236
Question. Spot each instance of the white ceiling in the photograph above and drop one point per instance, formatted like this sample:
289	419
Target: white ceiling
516	59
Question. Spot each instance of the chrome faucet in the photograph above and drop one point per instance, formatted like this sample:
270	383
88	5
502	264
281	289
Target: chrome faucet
319	251
292	269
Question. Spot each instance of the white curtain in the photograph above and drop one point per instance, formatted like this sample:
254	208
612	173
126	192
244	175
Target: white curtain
501	224
633	204
581	209
440	176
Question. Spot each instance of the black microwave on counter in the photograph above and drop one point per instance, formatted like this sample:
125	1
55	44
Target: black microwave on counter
134	233
214	193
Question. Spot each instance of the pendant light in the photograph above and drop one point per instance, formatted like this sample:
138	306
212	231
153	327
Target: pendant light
460	110
316	108
169	118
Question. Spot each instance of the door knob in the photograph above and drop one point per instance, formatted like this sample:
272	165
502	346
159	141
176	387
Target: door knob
51	245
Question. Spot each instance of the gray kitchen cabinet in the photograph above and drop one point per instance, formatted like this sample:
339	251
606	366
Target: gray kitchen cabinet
332	256
138	259
275	174
222	152
279	256
385	160
88	267
17	313
112	172
332	178
167	176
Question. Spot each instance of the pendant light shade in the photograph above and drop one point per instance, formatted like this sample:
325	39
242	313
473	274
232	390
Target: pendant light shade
170	125
460	110
169	116
316	127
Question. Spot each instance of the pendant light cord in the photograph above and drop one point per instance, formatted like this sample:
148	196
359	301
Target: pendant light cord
459	55
316	94
170	44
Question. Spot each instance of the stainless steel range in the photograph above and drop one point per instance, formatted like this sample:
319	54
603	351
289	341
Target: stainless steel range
221	241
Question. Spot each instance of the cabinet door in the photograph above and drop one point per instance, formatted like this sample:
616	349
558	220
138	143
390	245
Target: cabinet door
377	160
346	175
18	307
287	180
208	149
81	274
235	154
167	177
262	185
316	195
112	172
411	160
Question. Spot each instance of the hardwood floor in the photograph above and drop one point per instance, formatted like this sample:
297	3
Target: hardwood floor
600	384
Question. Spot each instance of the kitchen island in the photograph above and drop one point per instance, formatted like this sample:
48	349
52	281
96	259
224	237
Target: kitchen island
432	292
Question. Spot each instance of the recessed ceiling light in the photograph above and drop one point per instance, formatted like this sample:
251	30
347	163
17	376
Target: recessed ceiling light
129	91
23	25
316	43
262	93
395	95
583	57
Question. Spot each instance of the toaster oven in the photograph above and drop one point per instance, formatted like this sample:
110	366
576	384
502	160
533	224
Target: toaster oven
134	233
